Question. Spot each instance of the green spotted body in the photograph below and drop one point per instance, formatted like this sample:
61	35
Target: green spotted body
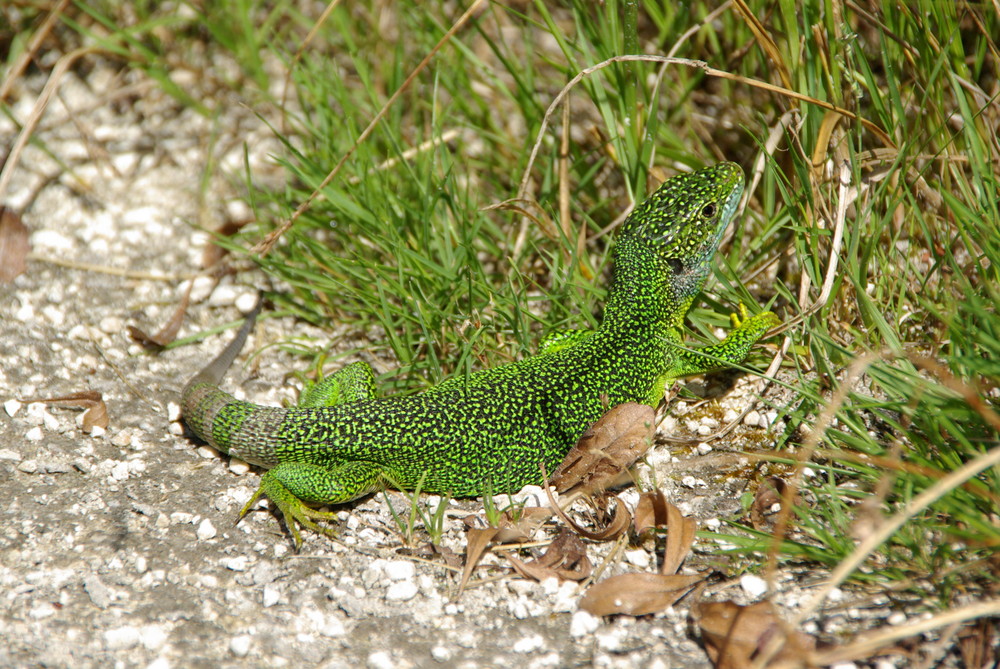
494	430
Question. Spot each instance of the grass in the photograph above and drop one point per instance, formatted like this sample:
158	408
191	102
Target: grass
419	237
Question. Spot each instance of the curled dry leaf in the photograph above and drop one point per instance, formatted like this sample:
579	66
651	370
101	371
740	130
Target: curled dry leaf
14	245
762	510
96	414
605	451
637	594
168	332
614	528
654	514
736	637
511	529
566	559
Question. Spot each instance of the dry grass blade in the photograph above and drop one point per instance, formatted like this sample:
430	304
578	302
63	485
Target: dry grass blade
14	245
566	559
637	594
96	414
734	636
606	450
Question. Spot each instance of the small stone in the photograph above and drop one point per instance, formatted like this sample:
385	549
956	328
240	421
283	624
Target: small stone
122	438
246	302
173	412
637	557
122	638
238	563
583	623
529	644
399	570
703	448
270	596
12	407
41	611
240	645
28	466
752	419
238	467
34	434
402	591
441	653
896	618
206	530
97	432
111	325
753	585
380	659
8	454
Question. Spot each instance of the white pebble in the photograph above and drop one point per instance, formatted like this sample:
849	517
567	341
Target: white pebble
380	659
583	623
97	432
240	645
270	596
401	591
12	407
246	302
34	434
122	638
753	585
704	449
173	411
529	644
637	557
238	563
399	570
206	530
752	419
896	618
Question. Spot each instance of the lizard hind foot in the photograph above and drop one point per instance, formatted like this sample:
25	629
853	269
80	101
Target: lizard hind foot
293	510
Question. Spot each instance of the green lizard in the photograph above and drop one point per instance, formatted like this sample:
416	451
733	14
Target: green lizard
492	430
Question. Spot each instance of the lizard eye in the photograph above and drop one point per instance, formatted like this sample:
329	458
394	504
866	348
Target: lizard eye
708	211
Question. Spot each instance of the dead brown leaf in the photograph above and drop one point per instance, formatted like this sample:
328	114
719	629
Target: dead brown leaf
511	529
606	450
96	414
14	245
735	636
763	510
637	594
650	512
169	331
213	252
566	559
654	515
476	541
612	529
977	643
680	538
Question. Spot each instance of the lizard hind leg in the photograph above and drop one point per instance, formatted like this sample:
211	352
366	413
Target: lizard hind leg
352	383
294	486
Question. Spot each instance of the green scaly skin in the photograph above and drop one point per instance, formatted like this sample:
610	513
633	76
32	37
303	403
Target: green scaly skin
493	430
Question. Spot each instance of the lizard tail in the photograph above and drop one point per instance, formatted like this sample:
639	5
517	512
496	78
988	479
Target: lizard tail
201	398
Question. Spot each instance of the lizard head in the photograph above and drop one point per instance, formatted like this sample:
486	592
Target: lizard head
668	242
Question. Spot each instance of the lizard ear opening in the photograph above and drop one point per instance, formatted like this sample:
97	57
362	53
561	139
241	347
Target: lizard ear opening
676	266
